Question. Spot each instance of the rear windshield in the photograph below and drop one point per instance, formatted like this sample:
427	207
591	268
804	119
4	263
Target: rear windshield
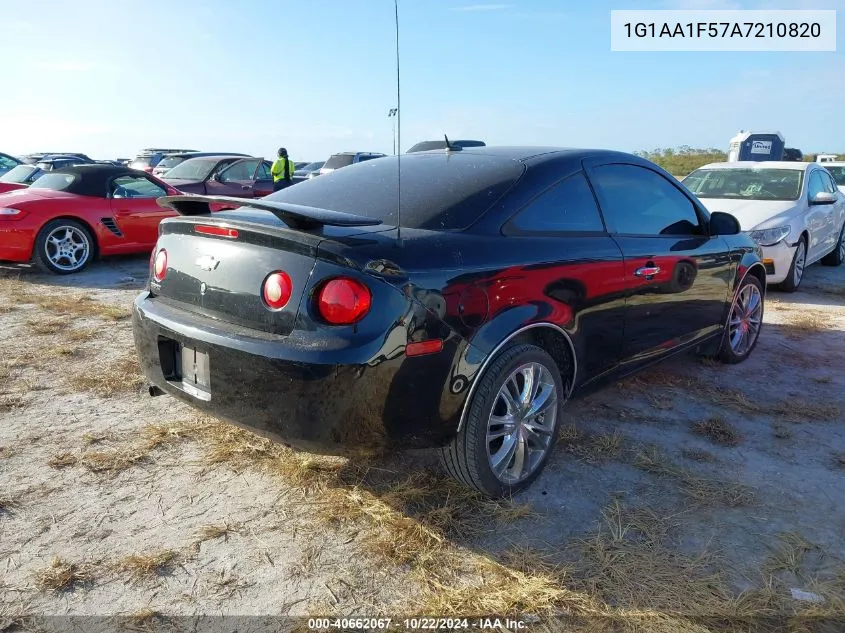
141	162
426	146
56	182
19	174
193	169
170	161
339	160
439	191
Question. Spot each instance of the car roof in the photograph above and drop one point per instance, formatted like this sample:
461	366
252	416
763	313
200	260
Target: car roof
762	164
92	178
205	154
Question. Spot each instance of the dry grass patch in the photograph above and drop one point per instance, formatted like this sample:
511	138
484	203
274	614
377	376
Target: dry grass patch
66	350
13	401
801	323
628	564
211	532
698	489
789	553
45	326
698	455
837	460
112	461
718	430
592	448
62	460
63	575
81	335
8	502
118	376
141	566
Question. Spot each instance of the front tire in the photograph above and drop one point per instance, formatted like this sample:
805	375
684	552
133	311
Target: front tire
511	425
744	323
796	269
63	247
837	255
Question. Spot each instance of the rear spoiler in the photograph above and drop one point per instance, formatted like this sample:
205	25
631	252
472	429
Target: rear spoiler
296	216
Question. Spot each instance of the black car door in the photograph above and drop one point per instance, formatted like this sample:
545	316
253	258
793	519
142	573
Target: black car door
677	276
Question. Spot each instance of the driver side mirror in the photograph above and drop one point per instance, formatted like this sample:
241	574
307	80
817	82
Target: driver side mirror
823	197
724	224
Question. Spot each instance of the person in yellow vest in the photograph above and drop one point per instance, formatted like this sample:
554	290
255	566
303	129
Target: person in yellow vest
282	170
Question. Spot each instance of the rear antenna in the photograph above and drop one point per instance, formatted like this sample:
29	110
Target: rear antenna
398	135
450	147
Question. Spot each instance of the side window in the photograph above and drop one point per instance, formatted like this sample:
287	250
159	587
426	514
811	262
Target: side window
135	187
638	201
264	172
569	206
7	163
243	170
816	184
364	157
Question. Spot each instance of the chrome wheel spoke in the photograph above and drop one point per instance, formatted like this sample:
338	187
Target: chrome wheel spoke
503	457
544	399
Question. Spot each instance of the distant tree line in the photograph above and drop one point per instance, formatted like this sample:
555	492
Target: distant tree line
682	160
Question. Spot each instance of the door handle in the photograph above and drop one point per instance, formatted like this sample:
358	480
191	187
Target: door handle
122	213
647	271
246	187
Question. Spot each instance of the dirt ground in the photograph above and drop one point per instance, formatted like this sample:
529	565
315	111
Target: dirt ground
692	497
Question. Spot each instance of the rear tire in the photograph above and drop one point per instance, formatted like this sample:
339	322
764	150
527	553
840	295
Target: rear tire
63	247
744	322
500	428
796	269
837	255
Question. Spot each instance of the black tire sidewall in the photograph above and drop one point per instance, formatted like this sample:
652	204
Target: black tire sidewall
788	284
482	404
726	354
834	258
40	252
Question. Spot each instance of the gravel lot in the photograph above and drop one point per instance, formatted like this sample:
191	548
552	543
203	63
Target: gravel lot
691	492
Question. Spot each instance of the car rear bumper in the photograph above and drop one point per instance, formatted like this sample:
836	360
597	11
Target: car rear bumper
305	393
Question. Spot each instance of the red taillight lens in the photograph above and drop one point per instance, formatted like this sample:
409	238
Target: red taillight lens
220	231
343	301
160	265
277	290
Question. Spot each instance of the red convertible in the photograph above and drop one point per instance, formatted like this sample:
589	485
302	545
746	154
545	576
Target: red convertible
68	217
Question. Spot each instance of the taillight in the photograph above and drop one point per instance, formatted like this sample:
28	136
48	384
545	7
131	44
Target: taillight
220	231
277	290
160	266
343	301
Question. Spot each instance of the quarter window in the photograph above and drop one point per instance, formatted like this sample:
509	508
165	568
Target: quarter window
638	201
569	206
134	187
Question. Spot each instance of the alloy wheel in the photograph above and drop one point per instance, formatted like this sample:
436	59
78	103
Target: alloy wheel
67	248
746	318
521	423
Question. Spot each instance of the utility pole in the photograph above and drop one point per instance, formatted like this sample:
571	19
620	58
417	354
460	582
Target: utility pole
391	114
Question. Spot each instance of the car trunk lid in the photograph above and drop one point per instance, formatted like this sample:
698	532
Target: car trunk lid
217	263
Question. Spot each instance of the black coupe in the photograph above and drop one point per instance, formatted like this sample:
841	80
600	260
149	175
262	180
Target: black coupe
516	276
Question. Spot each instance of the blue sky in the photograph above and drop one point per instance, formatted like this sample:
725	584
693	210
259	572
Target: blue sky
109	77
